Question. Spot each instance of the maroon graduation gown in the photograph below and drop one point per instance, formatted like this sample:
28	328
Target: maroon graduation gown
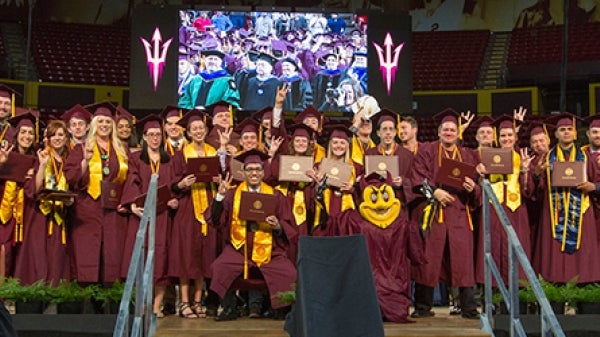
138	181
279	273
97	234
448	245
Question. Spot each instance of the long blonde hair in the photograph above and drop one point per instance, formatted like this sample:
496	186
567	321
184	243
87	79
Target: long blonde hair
346	155
114	139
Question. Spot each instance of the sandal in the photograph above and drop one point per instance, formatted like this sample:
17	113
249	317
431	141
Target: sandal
186	311
197	308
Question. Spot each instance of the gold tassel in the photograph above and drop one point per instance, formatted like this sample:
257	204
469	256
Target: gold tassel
12	106
230	115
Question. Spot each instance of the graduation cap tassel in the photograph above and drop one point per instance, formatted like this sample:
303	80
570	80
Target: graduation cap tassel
230	115
12	106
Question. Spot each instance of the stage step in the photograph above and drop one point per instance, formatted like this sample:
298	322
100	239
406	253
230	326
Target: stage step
442	325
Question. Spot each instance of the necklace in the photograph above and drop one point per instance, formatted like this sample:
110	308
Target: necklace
105	156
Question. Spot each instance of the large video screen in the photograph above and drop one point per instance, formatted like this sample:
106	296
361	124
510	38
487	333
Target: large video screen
244	57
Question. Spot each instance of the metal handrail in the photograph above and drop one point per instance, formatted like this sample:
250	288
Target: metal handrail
144	320
516	257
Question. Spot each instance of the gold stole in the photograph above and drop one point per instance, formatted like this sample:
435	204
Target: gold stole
199	195
54	207
347	201
299	207
455	154
585	198
513	190
95	168
13	205
263	239
358	153
6	127
320	153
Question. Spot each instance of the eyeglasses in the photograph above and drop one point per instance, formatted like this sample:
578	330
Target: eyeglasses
255	169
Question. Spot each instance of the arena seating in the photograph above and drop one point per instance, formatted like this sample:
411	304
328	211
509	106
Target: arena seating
544	45
448	60
81	53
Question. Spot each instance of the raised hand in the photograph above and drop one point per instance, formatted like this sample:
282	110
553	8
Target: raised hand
275	144
43	156
4	152
281	93
468	117
224	136
224	184
519	114
526	159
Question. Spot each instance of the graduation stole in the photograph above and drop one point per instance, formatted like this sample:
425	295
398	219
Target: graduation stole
5	127
587	148
347	201
511	181
54	179
455	154
320	153
263	240
358	152
96	174
299	207
199	189
567	205
13	204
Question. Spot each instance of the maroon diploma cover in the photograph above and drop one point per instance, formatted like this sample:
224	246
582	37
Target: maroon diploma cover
204	168
568	173
257	206
163	195
453	172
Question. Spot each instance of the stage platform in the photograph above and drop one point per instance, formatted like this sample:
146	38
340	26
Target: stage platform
442	325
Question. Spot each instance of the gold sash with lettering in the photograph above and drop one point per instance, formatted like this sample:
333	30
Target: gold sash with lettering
199	194
13	205
263	240
299	207
513	189
96	175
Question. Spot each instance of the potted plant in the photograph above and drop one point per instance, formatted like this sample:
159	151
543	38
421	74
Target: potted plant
110	298
588	301
29	299
69	297
554	295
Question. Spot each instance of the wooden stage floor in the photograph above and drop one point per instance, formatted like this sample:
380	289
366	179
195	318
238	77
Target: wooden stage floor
442	325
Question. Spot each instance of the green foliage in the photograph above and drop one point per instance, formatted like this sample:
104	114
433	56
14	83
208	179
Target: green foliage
112	294
12	289
526	293
588	293
497	298
552	291
70	292
287	297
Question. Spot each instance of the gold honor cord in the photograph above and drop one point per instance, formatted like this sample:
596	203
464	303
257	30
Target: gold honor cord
199	190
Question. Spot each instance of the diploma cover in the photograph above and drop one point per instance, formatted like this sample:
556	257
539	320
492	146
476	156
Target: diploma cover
204	168
236	169
110	196
337	172
56	195
453	172
293	168
380	164
497	161
257	206
568	173
16	167
163	195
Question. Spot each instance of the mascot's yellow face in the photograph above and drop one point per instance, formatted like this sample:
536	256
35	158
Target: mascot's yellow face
380	206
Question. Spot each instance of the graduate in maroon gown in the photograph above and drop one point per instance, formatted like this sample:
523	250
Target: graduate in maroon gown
222	119
383	220
386	122
298	193
194	244
592	149
334	199
567	238
7	110
77	120
449	239
174	138
251	246
508	190
152	159
17	209
97	232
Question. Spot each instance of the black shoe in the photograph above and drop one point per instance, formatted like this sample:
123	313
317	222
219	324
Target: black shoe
471	315
228	314
169	309
211	312
255	312
422	314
